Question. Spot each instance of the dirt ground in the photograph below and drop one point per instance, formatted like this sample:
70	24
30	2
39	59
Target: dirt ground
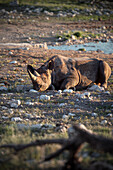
11	74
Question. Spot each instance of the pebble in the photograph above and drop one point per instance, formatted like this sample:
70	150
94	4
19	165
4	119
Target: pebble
5	117
10	53
68	91
20	88
21	80
29	103
59	91
16	119
44	97
15	103
107	92
62	104
13	62
65	117
33	91
94	114
11	111
4	107
109	115
71	114
2	88
96	88
103	122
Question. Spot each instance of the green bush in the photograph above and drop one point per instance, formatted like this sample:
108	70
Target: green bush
77	34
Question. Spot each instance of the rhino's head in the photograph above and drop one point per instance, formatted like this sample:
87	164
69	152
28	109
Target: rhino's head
41	82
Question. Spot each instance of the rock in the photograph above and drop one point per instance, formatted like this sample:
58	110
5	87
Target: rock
10	52
59	91
33	91
94	114
20	88
2	88
82	96
4	107
62	104
109	115
44	97
71	114
103	122
87	94
29	103
96	88
16	119
65	117
11	111
13	62
107	92
5	117
15	103
68	91
21	80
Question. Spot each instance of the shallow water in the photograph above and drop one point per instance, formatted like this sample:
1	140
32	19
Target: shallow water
106	47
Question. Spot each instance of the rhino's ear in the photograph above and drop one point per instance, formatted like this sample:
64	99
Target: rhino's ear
51	65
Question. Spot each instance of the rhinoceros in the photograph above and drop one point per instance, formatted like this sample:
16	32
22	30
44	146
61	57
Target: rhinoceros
61	72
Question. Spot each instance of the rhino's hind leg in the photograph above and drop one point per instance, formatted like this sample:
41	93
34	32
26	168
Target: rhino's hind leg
69	83
104	73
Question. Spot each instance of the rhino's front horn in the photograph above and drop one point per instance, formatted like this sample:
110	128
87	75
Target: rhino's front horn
33	77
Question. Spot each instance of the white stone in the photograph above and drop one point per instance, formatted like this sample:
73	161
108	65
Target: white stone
109	115
94	114
21	80
62	104
2	88
11	111
44	97
71	114
29	103
2	84
33	91
103	122
4	107
13	62
87	94
14	105
68	91
96	88
76	106
10	53
65	117
59	91
16	119
5	117
107	92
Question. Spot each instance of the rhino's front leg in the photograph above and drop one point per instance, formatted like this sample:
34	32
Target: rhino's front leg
69	83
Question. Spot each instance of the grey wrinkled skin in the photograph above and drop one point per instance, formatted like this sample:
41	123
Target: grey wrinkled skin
61	72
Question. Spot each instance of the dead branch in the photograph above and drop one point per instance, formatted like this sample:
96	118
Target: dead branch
73	144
